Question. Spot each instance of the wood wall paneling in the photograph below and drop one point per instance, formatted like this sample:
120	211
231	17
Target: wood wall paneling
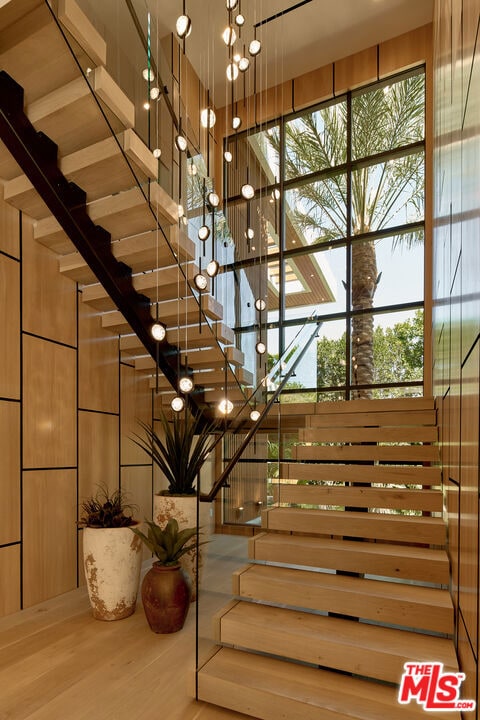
405	51
49	404
49	534
136	404
468	573
9	328
97	363
49	299
468	665
10	574
313	87
356	70
137	483
9	228
10	473
98	452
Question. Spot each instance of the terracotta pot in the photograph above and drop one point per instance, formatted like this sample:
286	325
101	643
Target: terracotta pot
184	509
166	598
112	560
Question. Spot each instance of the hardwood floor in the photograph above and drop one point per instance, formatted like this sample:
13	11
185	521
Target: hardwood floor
57	662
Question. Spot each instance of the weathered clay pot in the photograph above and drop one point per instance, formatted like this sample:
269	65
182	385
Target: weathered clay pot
184	509
112	559
166	598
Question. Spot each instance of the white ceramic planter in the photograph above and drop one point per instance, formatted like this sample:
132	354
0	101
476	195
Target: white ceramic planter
184	509
112	560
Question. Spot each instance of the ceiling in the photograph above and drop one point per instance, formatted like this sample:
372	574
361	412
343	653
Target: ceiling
302	39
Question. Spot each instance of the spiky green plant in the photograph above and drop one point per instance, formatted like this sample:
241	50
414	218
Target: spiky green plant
107	510
183	451
168	544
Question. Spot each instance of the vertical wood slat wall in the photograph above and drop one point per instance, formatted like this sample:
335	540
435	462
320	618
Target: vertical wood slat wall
456	305
67	411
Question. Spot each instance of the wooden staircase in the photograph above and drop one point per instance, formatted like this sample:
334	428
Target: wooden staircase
349	579
92	122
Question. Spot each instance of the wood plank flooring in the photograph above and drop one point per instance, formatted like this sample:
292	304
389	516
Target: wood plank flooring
56	661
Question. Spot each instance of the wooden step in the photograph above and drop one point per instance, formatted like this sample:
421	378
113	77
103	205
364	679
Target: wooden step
360	473
394	603
376	453
215	358
107	167
403	434
273	689
162	284
210	379
362	497
140	252
212	334
168	313
123	215
377	526
373	419
361	648
421	564
379	405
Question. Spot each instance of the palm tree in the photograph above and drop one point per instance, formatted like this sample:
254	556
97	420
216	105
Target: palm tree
383	192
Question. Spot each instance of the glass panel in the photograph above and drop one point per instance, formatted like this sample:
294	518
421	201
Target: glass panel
396	111
388	271
331	358
387	348
258	152
388	194
253	228
316	280
316	140
316	212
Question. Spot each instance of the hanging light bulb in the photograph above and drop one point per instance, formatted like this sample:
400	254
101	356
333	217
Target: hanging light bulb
240	20
208	118
181	211
254	47
200	281
249	233
181	142
156	153
204	233
148	75
154	93
183	26
231	4
276	194
192	169
243	64
227	156
185	384
260	304
254	415
247	191
159	331
261	348
177	404
212	268
146	105
229	36
213	199
232	71
225	406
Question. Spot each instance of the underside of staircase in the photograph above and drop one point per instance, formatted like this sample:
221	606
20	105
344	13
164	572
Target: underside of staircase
348	580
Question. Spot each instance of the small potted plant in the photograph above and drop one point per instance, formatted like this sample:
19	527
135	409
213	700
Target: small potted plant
180	454
166	588
112	559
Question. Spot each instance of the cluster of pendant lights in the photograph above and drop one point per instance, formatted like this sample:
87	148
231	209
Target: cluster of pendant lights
238	63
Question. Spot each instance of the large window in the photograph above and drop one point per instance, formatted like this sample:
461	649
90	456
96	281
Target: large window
337	226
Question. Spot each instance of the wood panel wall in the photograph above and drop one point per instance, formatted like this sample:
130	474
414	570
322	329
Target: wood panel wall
67	411
456	311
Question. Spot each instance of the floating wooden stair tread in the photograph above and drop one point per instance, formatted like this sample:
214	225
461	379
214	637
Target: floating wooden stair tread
214	358
378	526
394	603
404	434
361	497
408	562
209	379
163	284
139	252
362	406
272	689
100	170
373	419
206	336
381	453
419	475
122	215
360	648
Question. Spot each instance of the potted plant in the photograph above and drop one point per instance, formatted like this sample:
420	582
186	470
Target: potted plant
180	455
166	588
112	560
